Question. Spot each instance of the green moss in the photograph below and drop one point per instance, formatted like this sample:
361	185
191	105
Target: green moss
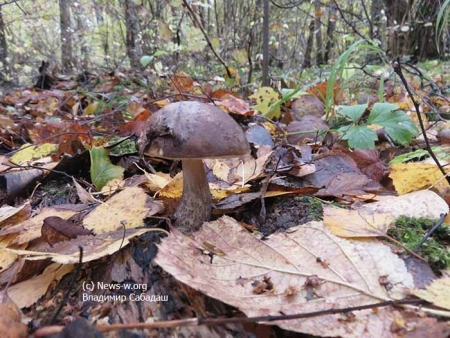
314	207
410	231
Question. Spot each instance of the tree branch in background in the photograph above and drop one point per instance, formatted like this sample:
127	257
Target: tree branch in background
208	41
265	33
398	70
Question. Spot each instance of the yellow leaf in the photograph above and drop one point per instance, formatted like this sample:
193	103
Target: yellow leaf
174	188
265	98
155	182
26	293
438	293
126	210
409	177
30	153
356	223
90	109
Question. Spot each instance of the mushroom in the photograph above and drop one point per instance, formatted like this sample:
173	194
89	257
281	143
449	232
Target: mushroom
192	131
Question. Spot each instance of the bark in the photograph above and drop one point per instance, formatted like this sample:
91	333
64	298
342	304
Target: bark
318	34
133	47
67	58
4	68
307	62
375	17
419	40
330	33
265	68
424	37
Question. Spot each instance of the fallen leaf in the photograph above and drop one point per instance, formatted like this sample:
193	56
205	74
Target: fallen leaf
287	260
55	229
265	98
232	104
11	215
28	152
438	293
374	219
126	210
83	195
409	177
28	292
356	223
102	170
94	247
11	325
31	228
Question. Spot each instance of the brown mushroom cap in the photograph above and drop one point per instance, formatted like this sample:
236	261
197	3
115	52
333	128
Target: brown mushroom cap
190	129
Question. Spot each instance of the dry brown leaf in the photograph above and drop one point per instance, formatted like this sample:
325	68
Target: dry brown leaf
438	293
8	258
10	215
83	195
276	275
94	247
28	292
409	177
55	229
11	325
31	228
126	210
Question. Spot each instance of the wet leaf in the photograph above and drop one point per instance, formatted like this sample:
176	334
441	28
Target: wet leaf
102	170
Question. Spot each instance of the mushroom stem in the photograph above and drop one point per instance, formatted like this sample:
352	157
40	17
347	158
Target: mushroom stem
195	204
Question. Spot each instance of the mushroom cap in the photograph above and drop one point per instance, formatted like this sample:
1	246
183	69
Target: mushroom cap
191	129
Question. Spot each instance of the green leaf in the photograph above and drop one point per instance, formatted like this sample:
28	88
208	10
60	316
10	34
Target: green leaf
359	137
160	53
354	113
102	170
442	153
396	123
146	59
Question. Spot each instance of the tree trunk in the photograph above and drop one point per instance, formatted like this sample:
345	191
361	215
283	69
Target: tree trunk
424	36
4	68
307	62
318	33
67	58
132	23
330	32
265	68
375	18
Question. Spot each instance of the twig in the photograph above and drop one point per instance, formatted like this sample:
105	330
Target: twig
398	70
205	34
222	321
429	233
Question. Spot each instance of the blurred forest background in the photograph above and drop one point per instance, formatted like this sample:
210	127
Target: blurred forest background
228	38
